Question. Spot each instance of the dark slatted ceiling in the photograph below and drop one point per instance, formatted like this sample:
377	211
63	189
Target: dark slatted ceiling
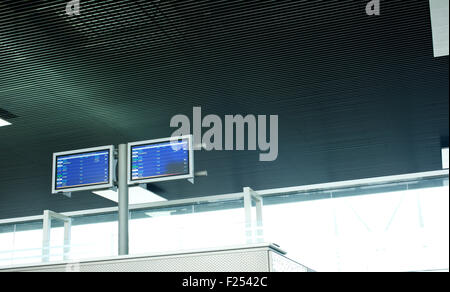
357	96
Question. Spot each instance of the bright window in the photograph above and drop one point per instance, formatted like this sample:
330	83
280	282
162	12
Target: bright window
445	158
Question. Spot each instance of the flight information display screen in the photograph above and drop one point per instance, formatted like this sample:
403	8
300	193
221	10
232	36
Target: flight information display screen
158	160
82	169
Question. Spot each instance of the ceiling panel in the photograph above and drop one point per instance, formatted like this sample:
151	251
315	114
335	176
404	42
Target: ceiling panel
357	96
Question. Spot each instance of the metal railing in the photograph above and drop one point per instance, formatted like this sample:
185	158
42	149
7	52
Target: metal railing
261	193
253	228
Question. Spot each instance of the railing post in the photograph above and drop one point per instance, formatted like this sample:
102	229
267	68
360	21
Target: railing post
253	234
248	215
67	237
259	220
46	228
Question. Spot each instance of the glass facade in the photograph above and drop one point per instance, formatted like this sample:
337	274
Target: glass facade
187	227
21	243
401	227
392	226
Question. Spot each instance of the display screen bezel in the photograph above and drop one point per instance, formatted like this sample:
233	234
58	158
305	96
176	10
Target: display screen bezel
92	186
164	177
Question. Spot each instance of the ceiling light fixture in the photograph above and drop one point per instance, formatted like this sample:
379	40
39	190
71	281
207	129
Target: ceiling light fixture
4	123
136	195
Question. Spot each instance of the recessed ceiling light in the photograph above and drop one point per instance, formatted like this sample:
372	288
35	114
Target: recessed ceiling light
136	195
4	123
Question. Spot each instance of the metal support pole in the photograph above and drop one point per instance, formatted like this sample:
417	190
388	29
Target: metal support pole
123	200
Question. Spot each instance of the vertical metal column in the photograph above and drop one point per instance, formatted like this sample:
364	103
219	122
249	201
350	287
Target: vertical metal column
123	200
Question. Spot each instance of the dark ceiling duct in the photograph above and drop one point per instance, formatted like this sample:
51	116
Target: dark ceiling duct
6	115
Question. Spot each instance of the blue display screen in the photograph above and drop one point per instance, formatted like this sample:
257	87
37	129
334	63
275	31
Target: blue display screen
83	169
164	159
